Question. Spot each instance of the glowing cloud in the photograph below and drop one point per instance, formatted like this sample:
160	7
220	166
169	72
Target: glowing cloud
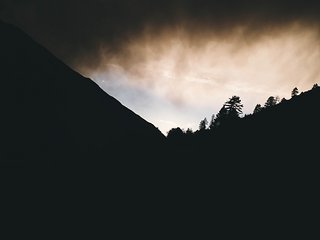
201	70
175	62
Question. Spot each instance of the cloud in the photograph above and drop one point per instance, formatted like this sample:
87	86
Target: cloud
186	69
76	30
174	57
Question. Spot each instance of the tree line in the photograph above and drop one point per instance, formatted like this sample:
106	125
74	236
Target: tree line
231	111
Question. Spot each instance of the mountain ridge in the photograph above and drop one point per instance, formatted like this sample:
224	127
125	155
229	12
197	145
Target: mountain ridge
50	104
288	130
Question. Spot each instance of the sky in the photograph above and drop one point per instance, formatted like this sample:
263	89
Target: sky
176	62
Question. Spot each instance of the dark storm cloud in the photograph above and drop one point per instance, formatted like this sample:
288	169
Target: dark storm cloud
76	30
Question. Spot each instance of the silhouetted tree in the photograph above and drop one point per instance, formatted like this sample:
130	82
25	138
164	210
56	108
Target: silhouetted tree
203	124
315	86
189	132
230	110
295	92
283	100
221	117
234	107
271	101
175	133
257	109
211	125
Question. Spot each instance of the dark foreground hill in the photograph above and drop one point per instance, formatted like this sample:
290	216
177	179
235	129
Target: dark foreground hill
280	141
264	167
52	115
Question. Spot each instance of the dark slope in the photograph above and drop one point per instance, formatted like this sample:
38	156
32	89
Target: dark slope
263	168
288	131
273	153
50	112
291	129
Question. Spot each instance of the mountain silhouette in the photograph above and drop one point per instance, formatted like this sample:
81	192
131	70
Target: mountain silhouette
272	153
51	115
260	166
288	130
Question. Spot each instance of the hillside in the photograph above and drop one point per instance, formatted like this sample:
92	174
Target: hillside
52	115
260	166
282	136
290	129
